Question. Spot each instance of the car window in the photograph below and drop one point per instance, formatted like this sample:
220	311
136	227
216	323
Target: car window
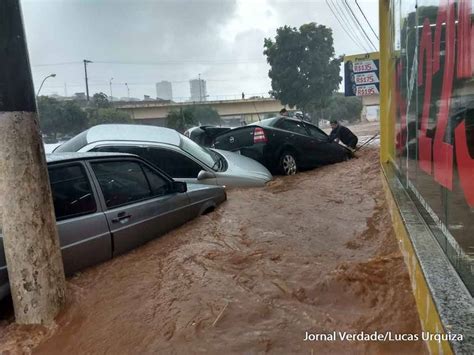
159	185
202	154
121	182
72	192
292	126
173	163
119	149
317	133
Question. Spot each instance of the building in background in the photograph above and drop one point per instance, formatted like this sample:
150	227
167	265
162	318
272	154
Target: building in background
427	154
164	90
198	90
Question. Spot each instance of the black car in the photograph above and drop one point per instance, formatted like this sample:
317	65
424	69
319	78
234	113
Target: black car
284	145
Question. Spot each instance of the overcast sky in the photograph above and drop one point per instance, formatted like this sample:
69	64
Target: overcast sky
141	42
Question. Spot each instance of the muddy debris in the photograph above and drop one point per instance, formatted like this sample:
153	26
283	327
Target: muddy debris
313	253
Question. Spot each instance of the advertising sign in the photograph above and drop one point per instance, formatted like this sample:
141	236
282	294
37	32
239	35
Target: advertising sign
361	74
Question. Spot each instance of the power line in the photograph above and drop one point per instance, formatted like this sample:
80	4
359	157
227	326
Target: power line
341	23
366	20
56	64
358	23
168	62
184	62
352	32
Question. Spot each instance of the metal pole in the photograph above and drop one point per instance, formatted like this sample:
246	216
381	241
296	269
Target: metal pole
30	238
87	81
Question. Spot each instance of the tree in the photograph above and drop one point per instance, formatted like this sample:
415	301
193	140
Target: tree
304	70
60	117
206	115
341	108
107	115
181	119
190	116
100	100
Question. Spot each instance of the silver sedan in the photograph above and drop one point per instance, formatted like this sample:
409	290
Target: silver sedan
175	154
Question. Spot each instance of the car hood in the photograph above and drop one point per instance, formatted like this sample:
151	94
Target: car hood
243	169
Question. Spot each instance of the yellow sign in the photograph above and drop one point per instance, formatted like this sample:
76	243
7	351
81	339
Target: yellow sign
361	57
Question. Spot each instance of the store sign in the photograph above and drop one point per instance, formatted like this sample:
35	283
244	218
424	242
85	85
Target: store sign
361	74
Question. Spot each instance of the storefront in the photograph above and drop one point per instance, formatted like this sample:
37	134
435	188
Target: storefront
427	127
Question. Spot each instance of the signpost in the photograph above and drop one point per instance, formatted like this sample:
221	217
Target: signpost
361	74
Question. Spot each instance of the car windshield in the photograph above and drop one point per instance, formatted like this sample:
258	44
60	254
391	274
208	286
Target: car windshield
203	154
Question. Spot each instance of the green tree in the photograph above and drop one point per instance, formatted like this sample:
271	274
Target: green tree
60	117
100	100
341	108
304	70
206	115
190	116
181	119
107	115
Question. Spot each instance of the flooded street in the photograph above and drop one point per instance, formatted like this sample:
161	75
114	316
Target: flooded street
312	253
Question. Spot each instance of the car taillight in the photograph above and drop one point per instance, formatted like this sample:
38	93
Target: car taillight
259	135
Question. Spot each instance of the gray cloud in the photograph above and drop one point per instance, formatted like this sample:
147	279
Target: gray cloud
210	37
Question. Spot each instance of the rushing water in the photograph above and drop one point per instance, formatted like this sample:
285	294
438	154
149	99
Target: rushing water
312	253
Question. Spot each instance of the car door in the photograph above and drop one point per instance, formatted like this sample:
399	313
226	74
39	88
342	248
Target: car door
140	202
299	138
326	152
83	231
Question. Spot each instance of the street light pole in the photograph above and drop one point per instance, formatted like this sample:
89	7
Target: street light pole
87	81
110	84
49	76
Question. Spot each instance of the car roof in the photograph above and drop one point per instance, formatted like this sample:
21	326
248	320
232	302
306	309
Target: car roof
62	157
131	132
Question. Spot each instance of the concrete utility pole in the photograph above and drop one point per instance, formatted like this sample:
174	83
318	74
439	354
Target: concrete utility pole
30	238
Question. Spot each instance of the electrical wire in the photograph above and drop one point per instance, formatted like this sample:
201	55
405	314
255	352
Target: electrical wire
354	17
366	20
348	32
350	25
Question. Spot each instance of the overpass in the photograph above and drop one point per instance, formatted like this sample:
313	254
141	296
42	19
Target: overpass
232	111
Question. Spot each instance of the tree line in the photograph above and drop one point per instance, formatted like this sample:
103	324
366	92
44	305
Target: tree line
60	119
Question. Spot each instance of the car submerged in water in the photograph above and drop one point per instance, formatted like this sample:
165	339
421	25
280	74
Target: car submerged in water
284	145
107	204
175	154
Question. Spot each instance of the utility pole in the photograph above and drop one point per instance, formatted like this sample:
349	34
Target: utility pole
30	238
87	81
110	84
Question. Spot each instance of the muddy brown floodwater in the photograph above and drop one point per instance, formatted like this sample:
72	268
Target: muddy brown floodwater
313	252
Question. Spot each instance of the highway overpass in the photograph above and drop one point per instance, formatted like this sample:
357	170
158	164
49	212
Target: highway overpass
232	111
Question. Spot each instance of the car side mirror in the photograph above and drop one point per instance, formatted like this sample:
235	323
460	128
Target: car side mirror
179	186
203	175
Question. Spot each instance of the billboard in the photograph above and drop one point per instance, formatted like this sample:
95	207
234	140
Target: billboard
361	74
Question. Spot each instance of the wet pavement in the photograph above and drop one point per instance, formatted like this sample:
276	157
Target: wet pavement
313	253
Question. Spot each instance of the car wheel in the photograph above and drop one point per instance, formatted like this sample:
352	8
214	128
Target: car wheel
288	164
